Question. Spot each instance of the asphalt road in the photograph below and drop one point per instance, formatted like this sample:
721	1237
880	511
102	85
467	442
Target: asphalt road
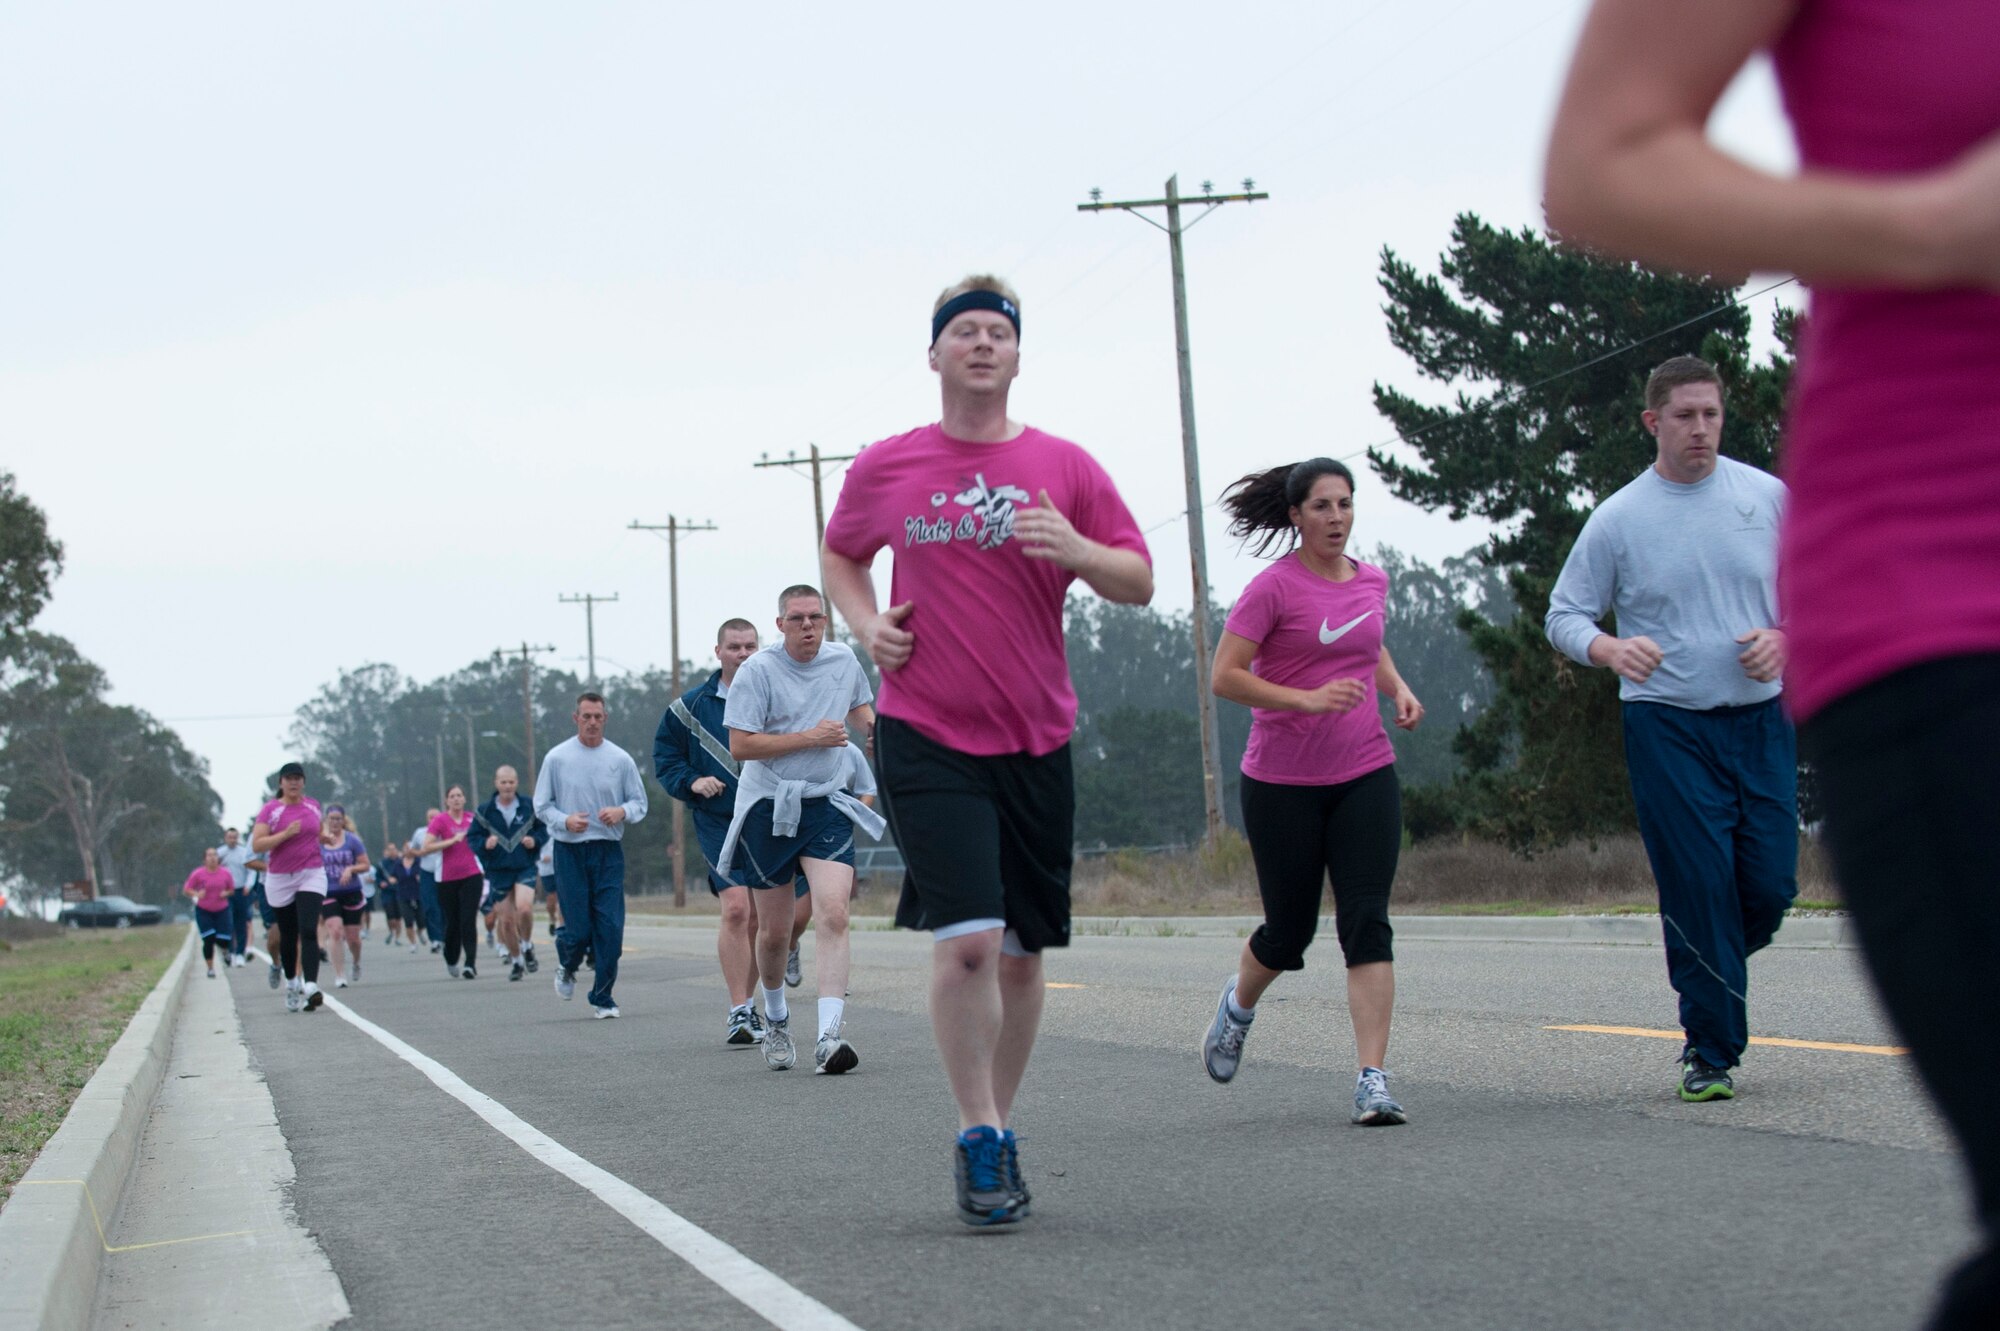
1547	1178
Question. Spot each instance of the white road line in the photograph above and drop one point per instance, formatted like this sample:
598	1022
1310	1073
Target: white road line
755	1288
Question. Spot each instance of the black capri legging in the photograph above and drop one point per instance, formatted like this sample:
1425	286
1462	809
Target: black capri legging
458	902
1301	836
298	935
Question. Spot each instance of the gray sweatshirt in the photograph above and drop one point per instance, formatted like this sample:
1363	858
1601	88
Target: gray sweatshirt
1689	566
576	779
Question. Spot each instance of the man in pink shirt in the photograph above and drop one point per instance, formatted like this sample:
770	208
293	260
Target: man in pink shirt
990	521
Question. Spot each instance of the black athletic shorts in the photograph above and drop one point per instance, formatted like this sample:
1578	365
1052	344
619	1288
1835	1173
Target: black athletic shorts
983	837
351	907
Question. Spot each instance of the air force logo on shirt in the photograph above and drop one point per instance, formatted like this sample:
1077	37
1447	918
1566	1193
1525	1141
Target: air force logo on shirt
1329	636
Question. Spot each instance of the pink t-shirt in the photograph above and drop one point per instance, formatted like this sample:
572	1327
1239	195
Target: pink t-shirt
214	886
302	851
1891	552
1309	631
458	862
988	673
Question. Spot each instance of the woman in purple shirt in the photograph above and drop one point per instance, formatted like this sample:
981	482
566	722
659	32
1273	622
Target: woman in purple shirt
346	860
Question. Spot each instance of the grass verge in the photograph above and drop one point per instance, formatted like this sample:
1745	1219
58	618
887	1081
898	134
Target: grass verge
64	1001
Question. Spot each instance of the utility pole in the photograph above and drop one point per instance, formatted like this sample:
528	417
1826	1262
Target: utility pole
589	604
527	655
813	459
382	796
674	527
440	753
1211	745
471	764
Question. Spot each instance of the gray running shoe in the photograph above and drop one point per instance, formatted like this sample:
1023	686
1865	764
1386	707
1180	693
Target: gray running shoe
986	1194
1701	1080
450	971
1011	1144
295	998
779	1053
275	976
565	983
354	971
1373	1106
1222	1047
756	1026
834	1056
739	1032
793	977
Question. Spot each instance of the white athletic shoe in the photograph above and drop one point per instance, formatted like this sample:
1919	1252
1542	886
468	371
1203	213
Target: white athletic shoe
295	997
211	970
793	975
340	981
834	1056
605	1012
313	997
778	1051
565	984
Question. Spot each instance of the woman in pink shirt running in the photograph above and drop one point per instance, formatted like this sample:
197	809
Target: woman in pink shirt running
210	886
458	885
1303	650
1889	563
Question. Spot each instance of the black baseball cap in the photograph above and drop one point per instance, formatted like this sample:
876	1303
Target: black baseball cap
292	769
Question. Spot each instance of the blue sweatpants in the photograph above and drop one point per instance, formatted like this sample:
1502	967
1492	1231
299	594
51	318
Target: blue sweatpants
590	884
1717	796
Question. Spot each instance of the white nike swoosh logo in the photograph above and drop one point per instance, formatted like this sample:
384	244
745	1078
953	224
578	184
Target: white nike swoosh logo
1329	636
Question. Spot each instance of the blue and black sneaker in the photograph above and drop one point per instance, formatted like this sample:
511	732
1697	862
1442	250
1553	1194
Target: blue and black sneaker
979	1167
1011	1144
1702	1080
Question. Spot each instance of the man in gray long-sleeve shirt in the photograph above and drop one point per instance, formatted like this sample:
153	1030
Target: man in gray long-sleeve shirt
587	791
1685	557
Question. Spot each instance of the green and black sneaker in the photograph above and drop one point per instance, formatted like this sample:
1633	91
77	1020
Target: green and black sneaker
1702	1080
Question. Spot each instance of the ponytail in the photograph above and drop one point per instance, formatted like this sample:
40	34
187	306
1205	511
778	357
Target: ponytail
1260	505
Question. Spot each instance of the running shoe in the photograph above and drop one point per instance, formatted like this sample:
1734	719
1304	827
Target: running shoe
739	1032
273	978
516	971
295	998
1012	1146
528	960
436	948
834	1056
1222	1047
211	971
793	976
500	952
1373	1106
450	971
364	935
979	1169
565	984
756	1026
468	973
1702	1080
340	981
313	997
354	971
605	1013
779	1053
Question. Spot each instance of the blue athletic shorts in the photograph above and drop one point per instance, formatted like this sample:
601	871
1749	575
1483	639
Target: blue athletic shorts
764	859
503	881
711	832
265	915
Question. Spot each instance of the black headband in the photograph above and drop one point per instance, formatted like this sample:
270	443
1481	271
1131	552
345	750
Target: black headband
975	300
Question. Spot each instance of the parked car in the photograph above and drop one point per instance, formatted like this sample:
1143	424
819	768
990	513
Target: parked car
108	913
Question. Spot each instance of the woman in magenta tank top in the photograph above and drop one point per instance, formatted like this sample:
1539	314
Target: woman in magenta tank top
1303	650
1889	570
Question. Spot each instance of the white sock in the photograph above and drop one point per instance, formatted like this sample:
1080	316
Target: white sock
830	1012
774	1005
735	1008
1244	1014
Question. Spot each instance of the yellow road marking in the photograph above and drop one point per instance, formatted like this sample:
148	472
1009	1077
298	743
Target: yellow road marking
1061	984
1755	1039
99	1222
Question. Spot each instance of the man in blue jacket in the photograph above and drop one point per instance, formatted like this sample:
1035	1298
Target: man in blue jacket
691	759
506	838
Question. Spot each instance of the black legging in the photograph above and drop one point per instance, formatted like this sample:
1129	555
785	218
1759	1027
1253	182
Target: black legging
1300	836
301	912
1909	774
458	902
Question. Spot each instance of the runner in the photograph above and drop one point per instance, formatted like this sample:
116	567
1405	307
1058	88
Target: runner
237	859
211	886
427	872
286	833
586	793
458	888
1685	559
385	895
1303	649
692	762
346	860
787	713
990	521
1891	554
506	841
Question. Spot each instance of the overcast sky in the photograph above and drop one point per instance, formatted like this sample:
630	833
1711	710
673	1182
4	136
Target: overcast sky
341	333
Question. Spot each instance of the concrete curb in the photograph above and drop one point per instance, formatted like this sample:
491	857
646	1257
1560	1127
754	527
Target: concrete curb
50	1246
1813	931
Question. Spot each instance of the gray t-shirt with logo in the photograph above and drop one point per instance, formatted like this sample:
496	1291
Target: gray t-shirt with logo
775	695
1690	566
